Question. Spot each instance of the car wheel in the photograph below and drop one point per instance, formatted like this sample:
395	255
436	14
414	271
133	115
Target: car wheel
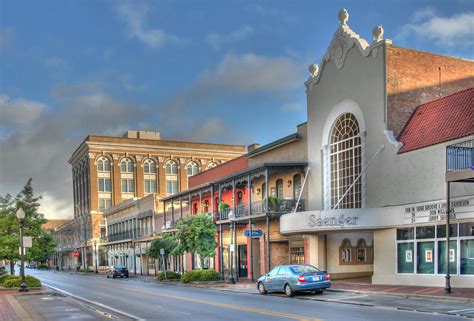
108	277
261	288
113	276
289	291
318	291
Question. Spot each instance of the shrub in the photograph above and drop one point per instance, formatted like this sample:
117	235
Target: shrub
5	277
170	275
200	276
15	282
86	270
43	266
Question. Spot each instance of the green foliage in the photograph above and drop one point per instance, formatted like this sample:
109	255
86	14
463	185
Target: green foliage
273	202
43	266
15	282
200	276
5	277
223	206
86	270
166	242
196	234
43	243
170	275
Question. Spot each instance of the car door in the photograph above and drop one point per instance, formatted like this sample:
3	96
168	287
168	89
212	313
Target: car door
270	279
280	279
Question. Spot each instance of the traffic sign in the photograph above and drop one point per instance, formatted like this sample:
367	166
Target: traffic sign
75	253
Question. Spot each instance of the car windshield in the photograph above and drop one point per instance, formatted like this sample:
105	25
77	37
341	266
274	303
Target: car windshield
304	269
120	267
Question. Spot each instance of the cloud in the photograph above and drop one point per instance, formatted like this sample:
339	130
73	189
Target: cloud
19	111
456	30
217	40
134	17
42	149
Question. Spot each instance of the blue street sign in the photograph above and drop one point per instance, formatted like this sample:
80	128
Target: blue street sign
255	233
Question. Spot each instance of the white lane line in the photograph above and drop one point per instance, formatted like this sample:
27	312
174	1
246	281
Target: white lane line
462	310
95	303
347	298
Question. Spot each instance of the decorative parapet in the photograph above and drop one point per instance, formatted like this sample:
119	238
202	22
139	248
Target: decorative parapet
343	40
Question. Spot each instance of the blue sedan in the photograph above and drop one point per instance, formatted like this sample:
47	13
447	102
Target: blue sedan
294	278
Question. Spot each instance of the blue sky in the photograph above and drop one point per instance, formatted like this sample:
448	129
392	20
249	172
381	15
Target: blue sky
218	71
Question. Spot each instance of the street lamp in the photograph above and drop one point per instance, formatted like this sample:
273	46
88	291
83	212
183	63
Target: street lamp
231	279
20	214
96	260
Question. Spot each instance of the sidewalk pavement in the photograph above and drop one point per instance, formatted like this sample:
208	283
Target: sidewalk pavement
48	305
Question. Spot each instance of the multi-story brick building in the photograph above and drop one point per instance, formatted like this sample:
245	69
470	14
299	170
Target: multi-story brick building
108	170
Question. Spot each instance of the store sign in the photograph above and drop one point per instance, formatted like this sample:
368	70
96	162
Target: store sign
341	220
435	211
255	233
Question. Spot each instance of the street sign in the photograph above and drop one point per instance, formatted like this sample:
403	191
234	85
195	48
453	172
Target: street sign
75	253
162	251
232	248
255	233
27	241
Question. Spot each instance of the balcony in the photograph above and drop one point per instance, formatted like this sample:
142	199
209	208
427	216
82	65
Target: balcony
460	162
127	235
257	209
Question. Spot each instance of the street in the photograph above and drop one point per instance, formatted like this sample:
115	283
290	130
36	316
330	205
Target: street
151	301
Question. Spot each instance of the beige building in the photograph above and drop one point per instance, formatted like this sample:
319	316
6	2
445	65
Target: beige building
109	170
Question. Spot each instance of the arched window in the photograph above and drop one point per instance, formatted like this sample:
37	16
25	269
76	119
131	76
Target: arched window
149	167
279	188
193	168
149	170
345	160
211	165
126	165
171	171
264	190
103	164
296	186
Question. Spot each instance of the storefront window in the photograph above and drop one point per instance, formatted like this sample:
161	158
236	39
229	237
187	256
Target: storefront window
466	229
467	256
425	232
441	230
405	234
297	255
425	257
405	257
442	257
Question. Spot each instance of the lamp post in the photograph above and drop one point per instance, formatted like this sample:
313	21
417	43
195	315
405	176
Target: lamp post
20	214
231	279
96	260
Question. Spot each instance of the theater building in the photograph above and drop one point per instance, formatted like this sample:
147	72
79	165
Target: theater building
388	127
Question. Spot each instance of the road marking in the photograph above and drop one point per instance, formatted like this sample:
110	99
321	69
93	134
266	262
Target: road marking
225	305
462	310
131	316
348	297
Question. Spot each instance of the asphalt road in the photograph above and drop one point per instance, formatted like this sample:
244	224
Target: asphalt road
150	301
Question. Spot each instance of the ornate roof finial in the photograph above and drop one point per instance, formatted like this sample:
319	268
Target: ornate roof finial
313	70
377	32
343	17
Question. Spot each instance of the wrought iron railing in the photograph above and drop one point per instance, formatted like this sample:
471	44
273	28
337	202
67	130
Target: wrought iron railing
460	156
283	206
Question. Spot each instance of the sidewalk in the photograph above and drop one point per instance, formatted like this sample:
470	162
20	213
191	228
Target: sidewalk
47	305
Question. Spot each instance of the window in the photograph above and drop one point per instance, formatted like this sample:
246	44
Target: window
149	167
442	257
425	257
211	165
127	185
279	188
103	164
171	186
171	168
274	272
297	255
104	203
361	251
345	160
193	168
405	253
104	185
345	251
150	186
296	186
264	190
126	166
282	270
425	232
467	257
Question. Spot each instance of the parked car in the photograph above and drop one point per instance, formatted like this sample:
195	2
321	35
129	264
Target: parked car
294	278
117	270
31	266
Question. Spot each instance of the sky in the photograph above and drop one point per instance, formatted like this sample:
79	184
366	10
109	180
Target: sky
211	71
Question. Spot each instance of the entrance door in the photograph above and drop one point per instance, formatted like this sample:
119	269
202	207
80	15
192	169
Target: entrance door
243	265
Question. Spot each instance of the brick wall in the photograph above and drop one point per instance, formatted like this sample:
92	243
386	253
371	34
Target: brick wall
413	79
279	253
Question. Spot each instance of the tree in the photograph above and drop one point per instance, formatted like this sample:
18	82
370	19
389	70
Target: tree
43	244
165	241
196	234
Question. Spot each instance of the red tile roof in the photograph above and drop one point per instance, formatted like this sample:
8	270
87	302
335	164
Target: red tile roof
439	121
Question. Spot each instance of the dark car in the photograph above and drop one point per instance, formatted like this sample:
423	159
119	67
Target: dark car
117	271
294	278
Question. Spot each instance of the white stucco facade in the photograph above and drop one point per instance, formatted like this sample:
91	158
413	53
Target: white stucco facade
352	79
